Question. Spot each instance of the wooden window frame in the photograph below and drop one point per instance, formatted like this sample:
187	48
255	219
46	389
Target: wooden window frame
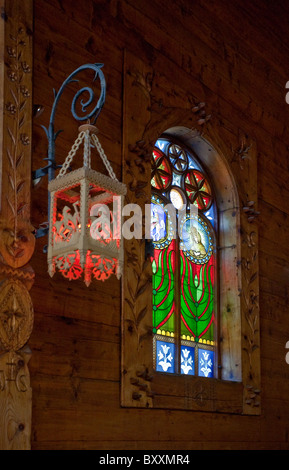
238	389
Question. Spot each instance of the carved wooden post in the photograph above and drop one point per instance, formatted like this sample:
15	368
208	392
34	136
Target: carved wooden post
16	238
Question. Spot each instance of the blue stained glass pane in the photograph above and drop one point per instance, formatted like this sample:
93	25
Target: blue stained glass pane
162	144
187	360
210	214
193	165
177	180
206	363
165	356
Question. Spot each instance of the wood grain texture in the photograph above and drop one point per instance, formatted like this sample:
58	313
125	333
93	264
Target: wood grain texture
15	400
17	240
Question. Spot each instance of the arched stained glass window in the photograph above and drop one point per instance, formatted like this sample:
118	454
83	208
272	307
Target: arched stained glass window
184	226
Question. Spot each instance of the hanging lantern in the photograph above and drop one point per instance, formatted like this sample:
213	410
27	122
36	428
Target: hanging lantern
85	207
86	216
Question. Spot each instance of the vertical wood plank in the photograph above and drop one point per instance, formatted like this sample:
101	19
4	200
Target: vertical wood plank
17	241
2	46
250	299
136	332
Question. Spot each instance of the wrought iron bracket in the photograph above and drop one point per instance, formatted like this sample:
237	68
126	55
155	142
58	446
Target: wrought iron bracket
90	116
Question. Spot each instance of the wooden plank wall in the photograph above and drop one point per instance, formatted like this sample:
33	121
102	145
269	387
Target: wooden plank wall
238	52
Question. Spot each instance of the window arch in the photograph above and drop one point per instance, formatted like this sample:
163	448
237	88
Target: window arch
184	231
235	386
227	250
229	153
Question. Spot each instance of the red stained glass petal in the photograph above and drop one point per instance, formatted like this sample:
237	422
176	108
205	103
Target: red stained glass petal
198	189
161	171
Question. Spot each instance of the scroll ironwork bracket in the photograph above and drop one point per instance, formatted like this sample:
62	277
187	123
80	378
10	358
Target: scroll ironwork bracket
90	116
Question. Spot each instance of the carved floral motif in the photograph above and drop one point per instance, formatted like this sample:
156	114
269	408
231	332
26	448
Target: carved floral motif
242	153
250	299
200	112
16	233
16	315
17	240
245	156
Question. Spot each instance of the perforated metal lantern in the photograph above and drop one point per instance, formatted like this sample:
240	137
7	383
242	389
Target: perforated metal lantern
86	217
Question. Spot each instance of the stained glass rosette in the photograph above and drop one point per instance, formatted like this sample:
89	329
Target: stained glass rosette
161	171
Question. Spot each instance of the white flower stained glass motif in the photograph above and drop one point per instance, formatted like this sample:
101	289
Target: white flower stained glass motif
187	360
165	356
206	363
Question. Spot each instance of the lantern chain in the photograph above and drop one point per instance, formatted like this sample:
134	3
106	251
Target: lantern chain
87	151
103	156
71	154
87	154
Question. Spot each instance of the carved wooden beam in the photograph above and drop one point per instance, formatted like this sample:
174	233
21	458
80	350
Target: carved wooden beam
16	233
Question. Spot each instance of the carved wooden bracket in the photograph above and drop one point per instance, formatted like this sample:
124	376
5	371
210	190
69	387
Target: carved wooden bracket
200	112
